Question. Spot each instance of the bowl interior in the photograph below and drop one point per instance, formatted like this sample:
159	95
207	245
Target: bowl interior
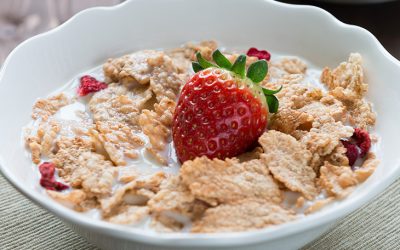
45	63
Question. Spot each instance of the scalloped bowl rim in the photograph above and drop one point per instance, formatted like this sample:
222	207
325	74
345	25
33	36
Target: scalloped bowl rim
216	239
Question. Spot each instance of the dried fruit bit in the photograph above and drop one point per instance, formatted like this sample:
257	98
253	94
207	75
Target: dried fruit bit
260	54
89	85
362	140
352	152
47	180
47	170
357	146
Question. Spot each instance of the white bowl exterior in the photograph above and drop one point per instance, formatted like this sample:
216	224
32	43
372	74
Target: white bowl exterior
296	241
44	63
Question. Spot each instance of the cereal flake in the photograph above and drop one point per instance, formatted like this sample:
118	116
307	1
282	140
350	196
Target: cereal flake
44	108
288	160
216	181
244	215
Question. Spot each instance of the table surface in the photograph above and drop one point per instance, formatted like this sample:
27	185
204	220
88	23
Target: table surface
23	225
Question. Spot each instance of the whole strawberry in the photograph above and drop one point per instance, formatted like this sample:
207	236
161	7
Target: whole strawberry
222	111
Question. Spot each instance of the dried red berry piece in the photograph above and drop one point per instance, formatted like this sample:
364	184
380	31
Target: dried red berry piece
357	146
47	184
47	180
47	169
362	140
352	152
89	84
260	54
60	186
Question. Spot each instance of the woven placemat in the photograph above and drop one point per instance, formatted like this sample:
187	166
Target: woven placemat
23	225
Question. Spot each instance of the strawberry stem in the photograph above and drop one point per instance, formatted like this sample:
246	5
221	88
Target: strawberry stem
273	103
196	67
221	60
203	62
239	66
271	92
256	72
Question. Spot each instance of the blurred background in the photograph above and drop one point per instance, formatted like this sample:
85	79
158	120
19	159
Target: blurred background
21	19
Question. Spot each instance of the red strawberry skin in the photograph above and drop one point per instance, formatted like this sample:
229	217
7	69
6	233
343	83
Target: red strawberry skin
218	115
89	84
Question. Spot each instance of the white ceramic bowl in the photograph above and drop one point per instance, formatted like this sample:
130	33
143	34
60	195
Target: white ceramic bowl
44	63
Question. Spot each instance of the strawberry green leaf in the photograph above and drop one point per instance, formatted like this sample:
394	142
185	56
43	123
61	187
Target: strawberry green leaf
239	67
196	67
221	60
258	71
273	103
203	62
271	92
